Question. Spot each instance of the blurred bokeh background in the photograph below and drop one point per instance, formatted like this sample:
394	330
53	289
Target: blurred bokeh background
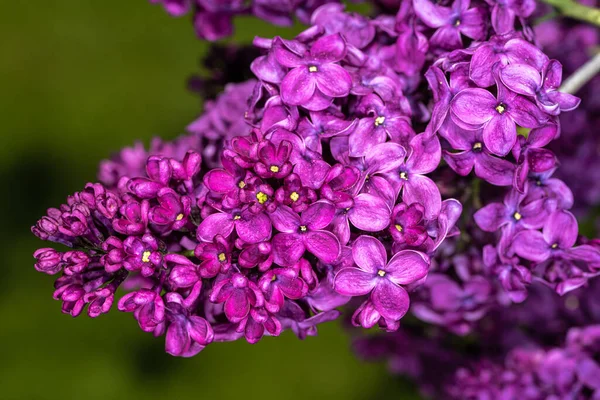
79	80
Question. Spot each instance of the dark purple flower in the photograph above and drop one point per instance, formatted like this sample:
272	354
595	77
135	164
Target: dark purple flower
474	154
147	306
527	80
280	283
451	22
505	11
498	116
504	50
48	261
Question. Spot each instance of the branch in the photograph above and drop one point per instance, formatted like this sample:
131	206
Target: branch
583	75
570	8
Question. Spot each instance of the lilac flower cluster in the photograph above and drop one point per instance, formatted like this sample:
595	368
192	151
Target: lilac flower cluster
546	347
213	19
333	178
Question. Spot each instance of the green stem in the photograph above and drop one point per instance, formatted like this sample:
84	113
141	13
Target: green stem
187	253
570	8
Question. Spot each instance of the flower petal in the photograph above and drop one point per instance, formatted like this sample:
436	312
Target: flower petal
318	215
298	86
420	189
323	244
407	266
531	246
288	248
213	225
390	300
474	106
369	254
354	282
561	228
369	213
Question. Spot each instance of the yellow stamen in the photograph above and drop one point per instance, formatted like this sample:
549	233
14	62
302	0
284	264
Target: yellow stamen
403	175
222	257
477	146
303	228
146	256
381	272
312	68
555	245
517	216
237	217
242	184
294	196
379	121
179	217
274	168
500	108
457	22
399	227
261	197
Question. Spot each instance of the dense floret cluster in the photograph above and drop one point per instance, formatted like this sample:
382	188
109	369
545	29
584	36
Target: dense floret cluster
405	163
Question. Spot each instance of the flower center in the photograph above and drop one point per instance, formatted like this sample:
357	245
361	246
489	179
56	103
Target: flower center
294	196
517	216
379	121
303	228
222	257
237	217
242	184
477	146
312	68
381	272
555	245
179	217
274	168
146	256
457	22
500	108
261	197
404	175
398	227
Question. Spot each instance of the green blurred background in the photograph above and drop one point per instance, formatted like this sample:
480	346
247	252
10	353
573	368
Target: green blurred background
79	80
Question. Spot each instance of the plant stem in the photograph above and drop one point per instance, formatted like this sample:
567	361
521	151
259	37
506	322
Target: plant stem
583	75
572	9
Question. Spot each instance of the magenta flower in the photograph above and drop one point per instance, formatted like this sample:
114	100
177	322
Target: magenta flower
279	284
172	211
304	232
498	116
408	225
251	228
143	254
320	125
273	160
381	279
147	306
451	22
315	78
238	293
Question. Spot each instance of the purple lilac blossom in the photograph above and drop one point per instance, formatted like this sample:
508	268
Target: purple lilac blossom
320	185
